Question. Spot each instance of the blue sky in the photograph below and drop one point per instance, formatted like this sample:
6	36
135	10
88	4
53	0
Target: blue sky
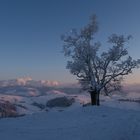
30	31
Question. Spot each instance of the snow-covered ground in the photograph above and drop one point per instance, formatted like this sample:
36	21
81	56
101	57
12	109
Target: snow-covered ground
115	119
82	123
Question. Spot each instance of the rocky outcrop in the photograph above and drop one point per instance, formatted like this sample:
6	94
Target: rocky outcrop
60	102
7	109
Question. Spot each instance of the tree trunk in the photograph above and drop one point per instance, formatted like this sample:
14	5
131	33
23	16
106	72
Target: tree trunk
98	99
94	98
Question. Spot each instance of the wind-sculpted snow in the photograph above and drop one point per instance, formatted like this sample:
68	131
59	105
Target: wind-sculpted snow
34	104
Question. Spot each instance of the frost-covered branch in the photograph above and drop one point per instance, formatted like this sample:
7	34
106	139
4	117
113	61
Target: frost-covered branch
101	72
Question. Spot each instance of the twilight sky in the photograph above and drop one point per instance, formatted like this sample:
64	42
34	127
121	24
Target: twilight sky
30	31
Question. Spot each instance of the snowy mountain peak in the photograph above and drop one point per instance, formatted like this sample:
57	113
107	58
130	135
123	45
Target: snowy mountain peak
23	81
49	83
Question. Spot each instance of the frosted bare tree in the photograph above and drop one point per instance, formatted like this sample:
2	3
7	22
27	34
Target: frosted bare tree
97	71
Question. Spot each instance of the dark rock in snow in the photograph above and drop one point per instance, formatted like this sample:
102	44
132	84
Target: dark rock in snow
60	102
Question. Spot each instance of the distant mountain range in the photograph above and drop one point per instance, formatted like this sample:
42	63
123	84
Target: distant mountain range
27	81
28	87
